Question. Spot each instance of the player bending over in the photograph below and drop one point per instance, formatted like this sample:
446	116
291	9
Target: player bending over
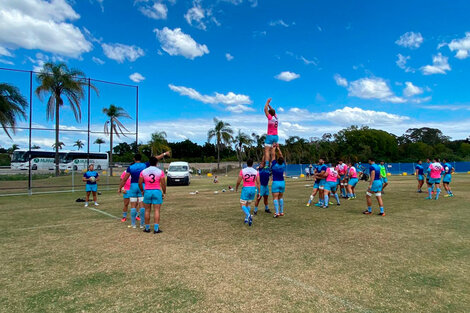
264	174
91	177
419	173
154	193
125	195
375	186
435	171
331	177
278	186
448	171
316	186
272	138
250	178
352	181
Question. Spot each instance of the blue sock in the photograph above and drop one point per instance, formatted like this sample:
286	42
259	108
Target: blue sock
147	226
142	216
281	205
246	210
133	215
337	198
438	191
266	207
124	214
327	199
369	208
276	206
430	191
256	209
155	227
381	209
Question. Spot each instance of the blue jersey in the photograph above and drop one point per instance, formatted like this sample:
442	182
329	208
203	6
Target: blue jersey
420	169
135	170
278	171
264	175
91	174
376	168
448	168
317	171
322	168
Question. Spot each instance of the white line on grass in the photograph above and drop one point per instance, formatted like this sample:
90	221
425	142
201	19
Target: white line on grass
105	213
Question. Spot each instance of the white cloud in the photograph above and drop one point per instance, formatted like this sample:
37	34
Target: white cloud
373	88
440	65
462	46
175	42
357	116
42	25
280	109
410	40
157	11
6	62
229	57
195	16
287	76
5	52
341	81
97	60
233	102
136	77
411	90
401	63
278	22
120	52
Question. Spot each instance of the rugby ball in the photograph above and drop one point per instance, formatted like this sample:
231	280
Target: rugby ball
92	179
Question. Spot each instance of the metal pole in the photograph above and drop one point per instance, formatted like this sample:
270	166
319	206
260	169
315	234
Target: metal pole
88	133
137	119
73	180
30	178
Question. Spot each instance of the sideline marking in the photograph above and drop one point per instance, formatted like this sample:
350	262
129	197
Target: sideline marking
104	213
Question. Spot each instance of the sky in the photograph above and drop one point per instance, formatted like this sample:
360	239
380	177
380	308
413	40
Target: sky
389	65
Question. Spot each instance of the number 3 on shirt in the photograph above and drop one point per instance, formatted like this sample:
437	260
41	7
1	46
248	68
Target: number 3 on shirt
152	176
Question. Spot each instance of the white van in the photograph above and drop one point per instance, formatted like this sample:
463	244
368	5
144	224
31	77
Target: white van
178	173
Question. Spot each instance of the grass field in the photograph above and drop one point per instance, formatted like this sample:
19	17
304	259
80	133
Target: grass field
58	256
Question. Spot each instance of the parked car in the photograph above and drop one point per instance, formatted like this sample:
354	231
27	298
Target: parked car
178	173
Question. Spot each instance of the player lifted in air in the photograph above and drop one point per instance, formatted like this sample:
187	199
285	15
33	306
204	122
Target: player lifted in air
272	138
263	192
448	171
250	178
375	186
154	193
278	186
342	170
91	177
352	181
435	170
331	177
419	173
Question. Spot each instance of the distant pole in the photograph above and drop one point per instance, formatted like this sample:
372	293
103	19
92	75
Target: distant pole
88	137
30	174
137	119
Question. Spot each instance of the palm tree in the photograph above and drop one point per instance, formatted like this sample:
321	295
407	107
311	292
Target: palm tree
99	142
12	104
158	143
114	127
57	80
223	135
240	140
259	140
79	144
58	145
35	147
13	148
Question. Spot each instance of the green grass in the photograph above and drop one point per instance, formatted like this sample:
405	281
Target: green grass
58	256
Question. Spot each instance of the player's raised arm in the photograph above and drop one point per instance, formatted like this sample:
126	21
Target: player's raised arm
267	107
161	156
278	148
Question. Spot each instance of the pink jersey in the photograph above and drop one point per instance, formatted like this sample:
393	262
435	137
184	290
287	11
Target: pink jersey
436	170
127	185
332	174
249	176
352	172
152	177
272	124
342	169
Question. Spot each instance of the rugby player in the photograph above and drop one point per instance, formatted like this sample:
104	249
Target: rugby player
272	138
383	175
90	177
250	178
448	171
278	186
331	177
125	196
352	181
342	170
263	192
419	173
375	186
435	171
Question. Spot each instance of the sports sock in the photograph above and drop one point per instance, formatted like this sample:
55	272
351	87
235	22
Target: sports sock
430	191
266	207
256	209
369	208
133	215
310	200
276	206
326	200
147	226
281	205
247	211
124	214
381	209
155	227
142	215
337	198
438	191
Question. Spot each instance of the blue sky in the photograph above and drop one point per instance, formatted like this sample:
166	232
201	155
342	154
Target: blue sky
327	64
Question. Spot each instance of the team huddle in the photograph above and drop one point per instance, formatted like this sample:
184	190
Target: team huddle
143	185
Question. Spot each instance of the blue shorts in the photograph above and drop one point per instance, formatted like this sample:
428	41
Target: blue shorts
331	186
342	177
134	191
126	195
353	182
248	193
278	186
384	180
323	182
271	139
153	196
264	190
420	177
447	178
376	186
91	187
316	185
434	180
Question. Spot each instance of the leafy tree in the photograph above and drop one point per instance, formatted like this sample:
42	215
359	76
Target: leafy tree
57	81
113	126
79	144
35	147
13	148
222	134
158	143
58	145
430	136
12	105
99	142
241	140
